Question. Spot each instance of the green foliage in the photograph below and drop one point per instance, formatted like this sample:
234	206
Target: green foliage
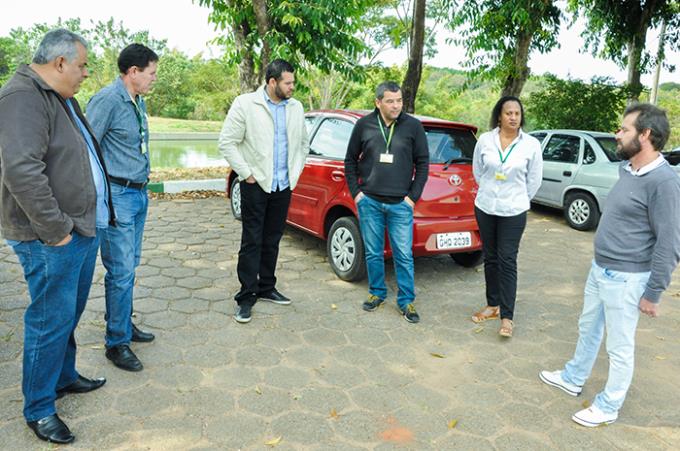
492	30
574	104
613	25
618	30
320	31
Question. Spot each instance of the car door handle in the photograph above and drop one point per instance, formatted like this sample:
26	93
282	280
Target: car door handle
337	175
567	173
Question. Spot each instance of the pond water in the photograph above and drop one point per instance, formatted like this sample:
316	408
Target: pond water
185	154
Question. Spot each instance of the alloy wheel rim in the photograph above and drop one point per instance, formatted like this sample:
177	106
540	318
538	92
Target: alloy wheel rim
579	211
343	249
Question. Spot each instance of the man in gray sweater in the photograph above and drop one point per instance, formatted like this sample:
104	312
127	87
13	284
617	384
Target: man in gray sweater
637	247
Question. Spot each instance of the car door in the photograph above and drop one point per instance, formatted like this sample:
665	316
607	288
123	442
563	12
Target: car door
561	161
324	174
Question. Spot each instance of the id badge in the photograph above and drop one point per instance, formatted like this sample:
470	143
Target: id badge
501	176
386	158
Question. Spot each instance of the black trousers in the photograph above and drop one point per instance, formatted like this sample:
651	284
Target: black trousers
264	219
500	243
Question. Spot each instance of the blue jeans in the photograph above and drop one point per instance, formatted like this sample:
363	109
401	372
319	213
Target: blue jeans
373	217
59	280
611	300
121	251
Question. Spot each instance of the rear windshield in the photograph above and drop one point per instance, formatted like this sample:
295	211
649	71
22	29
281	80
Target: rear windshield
609	147
450	145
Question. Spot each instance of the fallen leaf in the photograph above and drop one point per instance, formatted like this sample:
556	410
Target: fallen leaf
585	404
437	355
660	357
257	390
334	307
334	414
273	442
479	329
452	424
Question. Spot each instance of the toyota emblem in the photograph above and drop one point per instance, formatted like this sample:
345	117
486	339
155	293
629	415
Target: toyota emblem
455	180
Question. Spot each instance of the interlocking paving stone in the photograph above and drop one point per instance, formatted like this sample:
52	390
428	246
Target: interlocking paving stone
322	374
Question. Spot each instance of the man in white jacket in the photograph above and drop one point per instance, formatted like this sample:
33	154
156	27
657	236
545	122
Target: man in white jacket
265	142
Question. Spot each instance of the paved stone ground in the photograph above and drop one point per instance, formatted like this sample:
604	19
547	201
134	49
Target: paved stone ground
324	375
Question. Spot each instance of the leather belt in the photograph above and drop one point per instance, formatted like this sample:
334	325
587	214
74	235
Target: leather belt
127	183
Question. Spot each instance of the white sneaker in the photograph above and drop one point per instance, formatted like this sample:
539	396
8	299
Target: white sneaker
554	378
593	417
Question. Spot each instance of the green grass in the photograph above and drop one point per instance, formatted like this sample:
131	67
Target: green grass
166	125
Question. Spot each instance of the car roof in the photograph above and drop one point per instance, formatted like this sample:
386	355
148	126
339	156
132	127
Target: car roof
426	120
576	132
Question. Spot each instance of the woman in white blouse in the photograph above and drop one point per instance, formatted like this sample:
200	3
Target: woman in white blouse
508	167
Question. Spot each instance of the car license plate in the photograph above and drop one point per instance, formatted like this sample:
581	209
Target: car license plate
454	240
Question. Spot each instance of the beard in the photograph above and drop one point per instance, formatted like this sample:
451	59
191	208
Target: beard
628	151
280	94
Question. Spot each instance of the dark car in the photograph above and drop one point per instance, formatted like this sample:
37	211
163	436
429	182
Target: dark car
672	156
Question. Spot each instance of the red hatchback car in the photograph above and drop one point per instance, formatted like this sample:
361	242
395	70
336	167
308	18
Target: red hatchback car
444	219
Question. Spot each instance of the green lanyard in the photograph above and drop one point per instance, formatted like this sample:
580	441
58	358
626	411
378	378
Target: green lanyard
140	119
500	155
387	139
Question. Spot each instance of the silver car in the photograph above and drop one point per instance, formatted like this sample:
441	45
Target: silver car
579	169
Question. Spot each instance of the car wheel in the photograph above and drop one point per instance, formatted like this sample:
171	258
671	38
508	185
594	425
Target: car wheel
467	259
345	249
581	212
235	198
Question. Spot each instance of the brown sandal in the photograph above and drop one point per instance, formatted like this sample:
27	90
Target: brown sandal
506	328
485	314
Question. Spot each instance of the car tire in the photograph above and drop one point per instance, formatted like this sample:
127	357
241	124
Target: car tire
581	211
345	249
235	198
467	259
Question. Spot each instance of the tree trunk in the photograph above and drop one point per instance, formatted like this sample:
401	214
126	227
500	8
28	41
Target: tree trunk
633	80
409	87
514	83
246	68
659	62
263	27
635	47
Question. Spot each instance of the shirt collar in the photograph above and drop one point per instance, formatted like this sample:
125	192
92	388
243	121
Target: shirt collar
497	136
649	167
382	121
269	100
122	90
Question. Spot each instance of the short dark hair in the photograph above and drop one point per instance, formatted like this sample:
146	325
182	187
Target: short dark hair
653	118
498	109
276	68
384	87
135	55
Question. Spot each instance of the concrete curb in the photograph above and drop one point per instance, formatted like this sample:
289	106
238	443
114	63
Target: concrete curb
188	136
178	186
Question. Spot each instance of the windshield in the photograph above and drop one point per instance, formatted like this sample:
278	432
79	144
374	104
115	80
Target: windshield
609	146
450	144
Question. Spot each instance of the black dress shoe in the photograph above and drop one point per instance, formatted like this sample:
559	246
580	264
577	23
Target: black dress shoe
123	357
51	429
274	296
81	385
140	336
